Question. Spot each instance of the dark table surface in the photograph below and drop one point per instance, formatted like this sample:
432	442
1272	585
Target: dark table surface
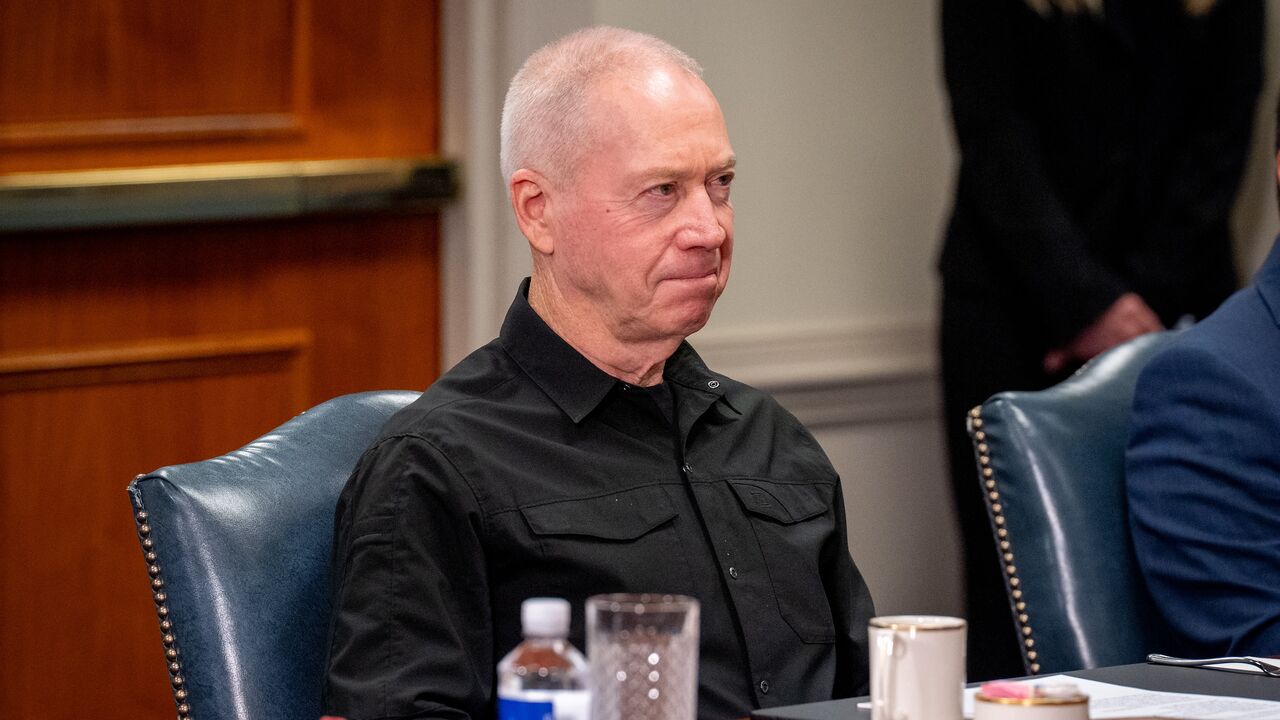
1147	677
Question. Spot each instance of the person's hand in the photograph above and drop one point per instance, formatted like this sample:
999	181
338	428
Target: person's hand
1128	317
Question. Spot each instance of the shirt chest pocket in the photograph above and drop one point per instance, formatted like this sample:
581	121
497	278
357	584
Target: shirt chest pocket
620	542
795	530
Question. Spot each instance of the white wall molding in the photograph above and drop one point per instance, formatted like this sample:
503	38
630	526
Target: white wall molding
472	230
835	373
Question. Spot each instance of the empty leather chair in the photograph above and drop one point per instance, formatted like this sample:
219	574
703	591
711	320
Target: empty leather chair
238	547
1051	467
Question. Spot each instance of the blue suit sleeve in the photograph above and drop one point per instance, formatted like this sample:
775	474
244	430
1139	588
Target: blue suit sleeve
1203	477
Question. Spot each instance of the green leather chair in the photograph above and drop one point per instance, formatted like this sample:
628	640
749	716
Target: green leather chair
1051	467
237	549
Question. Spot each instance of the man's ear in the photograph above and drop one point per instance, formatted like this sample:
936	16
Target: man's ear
529	198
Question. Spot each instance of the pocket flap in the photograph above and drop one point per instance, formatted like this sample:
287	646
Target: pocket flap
784	503
619	516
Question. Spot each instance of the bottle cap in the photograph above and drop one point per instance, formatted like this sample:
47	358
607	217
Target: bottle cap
544	617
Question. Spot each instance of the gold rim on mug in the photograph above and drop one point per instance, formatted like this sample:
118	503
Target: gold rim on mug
918	623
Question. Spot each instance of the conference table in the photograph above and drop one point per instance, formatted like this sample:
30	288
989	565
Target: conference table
1161	678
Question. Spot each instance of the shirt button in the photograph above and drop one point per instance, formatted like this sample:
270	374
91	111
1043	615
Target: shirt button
625	387
764	687
733	573
713	384
687	468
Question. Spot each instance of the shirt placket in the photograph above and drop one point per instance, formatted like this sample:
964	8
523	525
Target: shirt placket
744	575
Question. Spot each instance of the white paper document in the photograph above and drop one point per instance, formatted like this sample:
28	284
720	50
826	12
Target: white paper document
1107	701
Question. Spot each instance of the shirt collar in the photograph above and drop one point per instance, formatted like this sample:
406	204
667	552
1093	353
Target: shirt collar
575	385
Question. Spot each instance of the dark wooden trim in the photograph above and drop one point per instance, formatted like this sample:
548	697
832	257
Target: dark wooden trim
222	191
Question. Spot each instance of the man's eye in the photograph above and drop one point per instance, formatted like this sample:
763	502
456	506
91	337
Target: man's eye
722	180
665	189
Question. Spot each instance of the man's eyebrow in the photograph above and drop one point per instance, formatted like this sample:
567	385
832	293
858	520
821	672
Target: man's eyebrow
663	172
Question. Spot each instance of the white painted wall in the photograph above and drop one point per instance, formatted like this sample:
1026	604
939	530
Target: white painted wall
838	115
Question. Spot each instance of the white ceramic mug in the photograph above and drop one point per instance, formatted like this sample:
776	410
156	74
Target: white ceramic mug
917	667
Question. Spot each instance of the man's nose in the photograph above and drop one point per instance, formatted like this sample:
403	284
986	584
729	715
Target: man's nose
700	224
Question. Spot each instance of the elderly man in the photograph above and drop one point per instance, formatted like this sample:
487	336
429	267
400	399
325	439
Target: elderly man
588	449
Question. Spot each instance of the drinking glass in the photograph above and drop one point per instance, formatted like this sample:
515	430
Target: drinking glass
643	655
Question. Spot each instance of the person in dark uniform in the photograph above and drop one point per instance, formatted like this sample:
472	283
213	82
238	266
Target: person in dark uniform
1102	144
589	449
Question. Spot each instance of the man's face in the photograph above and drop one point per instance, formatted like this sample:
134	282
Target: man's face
644	229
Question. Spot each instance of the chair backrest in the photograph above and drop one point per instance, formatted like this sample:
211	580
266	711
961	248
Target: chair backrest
238	549
1051	465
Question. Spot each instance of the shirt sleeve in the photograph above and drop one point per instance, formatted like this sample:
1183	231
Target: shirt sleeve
851	609
1008	187
1203	481
412	633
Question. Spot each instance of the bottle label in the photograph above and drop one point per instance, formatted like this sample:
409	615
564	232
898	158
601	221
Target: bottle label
509	709
546	705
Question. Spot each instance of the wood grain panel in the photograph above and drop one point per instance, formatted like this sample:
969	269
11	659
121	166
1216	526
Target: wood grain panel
353	282
82	80
162	359
78	71
77	625
125	350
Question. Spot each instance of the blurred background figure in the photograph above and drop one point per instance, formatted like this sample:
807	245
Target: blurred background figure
1102	145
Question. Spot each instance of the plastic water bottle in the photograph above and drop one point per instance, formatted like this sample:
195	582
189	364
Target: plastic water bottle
544	677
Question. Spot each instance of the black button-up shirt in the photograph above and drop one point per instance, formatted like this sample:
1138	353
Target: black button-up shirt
526	471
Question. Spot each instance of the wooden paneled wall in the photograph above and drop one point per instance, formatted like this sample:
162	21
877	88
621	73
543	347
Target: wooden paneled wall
124	349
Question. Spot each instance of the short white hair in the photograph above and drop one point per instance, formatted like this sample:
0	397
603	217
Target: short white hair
544	118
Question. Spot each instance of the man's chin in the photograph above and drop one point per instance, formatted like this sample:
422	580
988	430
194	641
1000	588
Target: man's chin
691	322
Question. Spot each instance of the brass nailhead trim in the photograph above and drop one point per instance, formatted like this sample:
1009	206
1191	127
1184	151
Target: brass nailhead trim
996	506
171	652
